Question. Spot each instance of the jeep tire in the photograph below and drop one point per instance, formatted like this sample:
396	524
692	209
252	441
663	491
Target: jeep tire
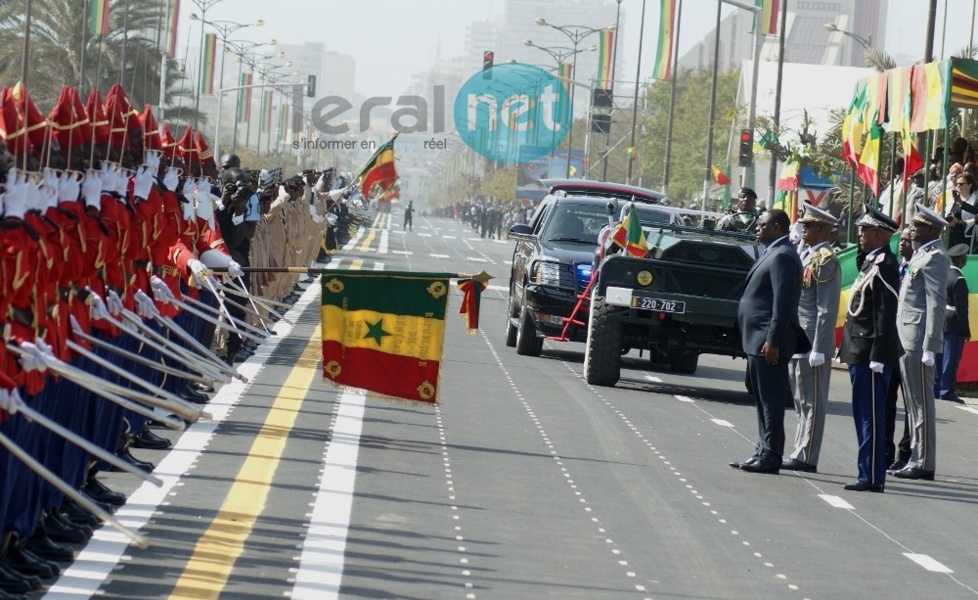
602	355
527	342
510	328
685	364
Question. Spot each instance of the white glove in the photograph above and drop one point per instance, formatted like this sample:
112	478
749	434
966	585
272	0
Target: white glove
114	303
34	358
283	195
15	196
928	358
49	177
234	269
816	359
91	189
108	173
34	200
151	158
96	306
203	187
122	182
171	179
10	401
69	187
189	187
145	307
237	219
876	367
49	195
143	182
200	272
161	291
321	184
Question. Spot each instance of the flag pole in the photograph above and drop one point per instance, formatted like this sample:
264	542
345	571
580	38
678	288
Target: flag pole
713	110
638	76
482	276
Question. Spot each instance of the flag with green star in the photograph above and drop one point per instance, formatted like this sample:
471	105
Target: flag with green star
384	331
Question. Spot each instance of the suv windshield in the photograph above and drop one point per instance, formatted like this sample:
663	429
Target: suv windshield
583	222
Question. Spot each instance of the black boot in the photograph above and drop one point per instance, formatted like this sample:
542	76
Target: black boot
57	527
189	394
21	560
122	451
17	583
144	438
98	491
43	546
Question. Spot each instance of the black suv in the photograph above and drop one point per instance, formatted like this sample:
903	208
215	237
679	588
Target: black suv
552	260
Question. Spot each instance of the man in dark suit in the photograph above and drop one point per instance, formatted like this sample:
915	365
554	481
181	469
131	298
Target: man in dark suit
767	318
957	330
870	345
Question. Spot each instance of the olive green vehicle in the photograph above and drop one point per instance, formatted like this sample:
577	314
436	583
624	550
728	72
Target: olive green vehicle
677	302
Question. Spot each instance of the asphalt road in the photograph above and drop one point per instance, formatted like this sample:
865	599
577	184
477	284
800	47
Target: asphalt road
523	483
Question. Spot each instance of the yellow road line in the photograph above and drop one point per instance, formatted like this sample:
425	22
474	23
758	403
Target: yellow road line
356	265
216	552
365	245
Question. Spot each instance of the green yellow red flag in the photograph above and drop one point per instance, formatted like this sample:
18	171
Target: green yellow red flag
664	46
384	331
98	17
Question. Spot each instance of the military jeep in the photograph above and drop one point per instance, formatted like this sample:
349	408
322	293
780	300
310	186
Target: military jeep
677	302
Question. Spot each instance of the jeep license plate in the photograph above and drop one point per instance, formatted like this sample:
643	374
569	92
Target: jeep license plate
659	305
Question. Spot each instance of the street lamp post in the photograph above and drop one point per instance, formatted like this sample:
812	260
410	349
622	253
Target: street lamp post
866	43
203	5
575	33
561	54
241	50
267	78
224	30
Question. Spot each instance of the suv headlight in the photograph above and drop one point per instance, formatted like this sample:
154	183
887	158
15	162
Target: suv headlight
546	273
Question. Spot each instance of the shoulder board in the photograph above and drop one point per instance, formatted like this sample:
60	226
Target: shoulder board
879	258
824	255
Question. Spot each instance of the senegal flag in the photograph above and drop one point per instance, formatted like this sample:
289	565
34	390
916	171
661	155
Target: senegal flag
384	331
378	170
629	235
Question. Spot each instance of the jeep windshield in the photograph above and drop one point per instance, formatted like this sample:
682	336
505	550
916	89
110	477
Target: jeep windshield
581	223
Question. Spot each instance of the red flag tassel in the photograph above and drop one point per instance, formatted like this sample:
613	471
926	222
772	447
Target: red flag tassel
471	298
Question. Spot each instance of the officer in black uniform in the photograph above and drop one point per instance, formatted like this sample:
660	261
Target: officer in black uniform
745	219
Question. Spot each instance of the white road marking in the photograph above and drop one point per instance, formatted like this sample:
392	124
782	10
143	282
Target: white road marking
836	502
424	235
722	423
927	562
439	256
970	409
321	563
378	266
449	237
403	252
382	246
106	548
498	288
476	259
684	399
653	379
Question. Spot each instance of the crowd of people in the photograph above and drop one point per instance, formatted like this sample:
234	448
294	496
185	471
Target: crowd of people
127	260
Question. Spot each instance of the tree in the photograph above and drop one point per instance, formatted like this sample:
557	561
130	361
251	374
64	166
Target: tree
63	52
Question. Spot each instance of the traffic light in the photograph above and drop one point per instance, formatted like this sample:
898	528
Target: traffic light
311	87
487	58
746	156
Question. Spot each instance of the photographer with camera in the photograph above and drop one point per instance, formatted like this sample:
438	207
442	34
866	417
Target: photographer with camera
236	195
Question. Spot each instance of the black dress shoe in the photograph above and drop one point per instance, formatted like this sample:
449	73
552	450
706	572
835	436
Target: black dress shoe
897	465
914	473
98	491
26	562
740	465
796	465
60	529
204	388
189	394
144	438
17	583
952	398
73	514
760	466
48	549
132	460
863	486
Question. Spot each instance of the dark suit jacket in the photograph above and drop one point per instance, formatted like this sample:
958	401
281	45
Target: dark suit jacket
870	334
957	296
768	309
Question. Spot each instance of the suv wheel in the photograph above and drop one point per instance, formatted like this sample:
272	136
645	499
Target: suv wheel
685	364
527	342
511	313
602	355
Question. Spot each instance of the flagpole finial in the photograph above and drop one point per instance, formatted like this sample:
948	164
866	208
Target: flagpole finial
482	277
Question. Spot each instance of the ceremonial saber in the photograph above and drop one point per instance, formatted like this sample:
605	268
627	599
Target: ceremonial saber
220	303
165	347
215	321
237	291
481	277
105	389
168	322
247	310
67	490
142	360
211	367
254	306
243	325
179	406
32	415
